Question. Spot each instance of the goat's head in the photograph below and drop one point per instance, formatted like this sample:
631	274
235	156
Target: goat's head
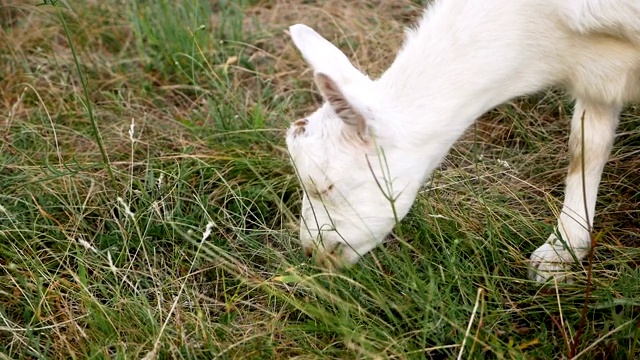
356	181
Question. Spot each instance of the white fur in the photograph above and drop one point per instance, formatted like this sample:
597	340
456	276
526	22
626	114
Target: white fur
362	156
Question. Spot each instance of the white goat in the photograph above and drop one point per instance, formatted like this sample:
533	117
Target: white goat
363	155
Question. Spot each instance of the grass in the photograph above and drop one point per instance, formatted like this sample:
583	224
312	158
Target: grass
188	250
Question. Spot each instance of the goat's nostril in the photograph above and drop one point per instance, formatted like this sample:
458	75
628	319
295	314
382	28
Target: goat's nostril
308	252
336	249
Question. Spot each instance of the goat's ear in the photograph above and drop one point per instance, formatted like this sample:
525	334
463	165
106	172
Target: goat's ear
343	107
333	74
322	55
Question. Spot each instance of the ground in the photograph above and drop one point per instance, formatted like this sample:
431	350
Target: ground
148	207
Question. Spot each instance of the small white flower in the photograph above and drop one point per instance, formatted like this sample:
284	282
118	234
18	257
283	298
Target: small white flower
132	129
207	231
504	164
112	267
87	245
126	208
159	181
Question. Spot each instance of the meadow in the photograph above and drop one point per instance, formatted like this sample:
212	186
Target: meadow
148	208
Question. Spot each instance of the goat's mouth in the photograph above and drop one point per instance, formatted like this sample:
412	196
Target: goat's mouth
331	258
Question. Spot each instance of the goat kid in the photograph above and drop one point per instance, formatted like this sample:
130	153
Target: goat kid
363	155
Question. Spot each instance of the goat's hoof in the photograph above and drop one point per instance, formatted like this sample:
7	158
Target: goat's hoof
551	260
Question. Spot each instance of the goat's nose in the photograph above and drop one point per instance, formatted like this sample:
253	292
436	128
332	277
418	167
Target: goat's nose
308	251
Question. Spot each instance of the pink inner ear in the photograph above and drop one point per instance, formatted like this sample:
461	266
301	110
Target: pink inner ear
301	122
340	104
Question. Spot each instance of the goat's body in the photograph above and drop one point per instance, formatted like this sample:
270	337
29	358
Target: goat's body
475	55
466	57
494	50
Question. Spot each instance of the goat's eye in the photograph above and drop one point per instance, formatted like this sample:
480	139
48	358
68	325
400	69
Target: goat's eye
327	190
317	193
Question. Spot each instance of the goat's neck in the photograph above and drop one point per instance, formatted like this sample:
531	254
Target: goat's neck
444	79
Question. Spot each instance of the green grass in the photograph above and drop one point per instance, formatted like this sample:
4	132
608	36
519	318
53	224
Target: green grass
189	250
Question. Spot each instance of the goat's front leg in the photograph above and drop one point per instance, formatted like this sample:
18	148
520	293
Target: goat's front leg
572	239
